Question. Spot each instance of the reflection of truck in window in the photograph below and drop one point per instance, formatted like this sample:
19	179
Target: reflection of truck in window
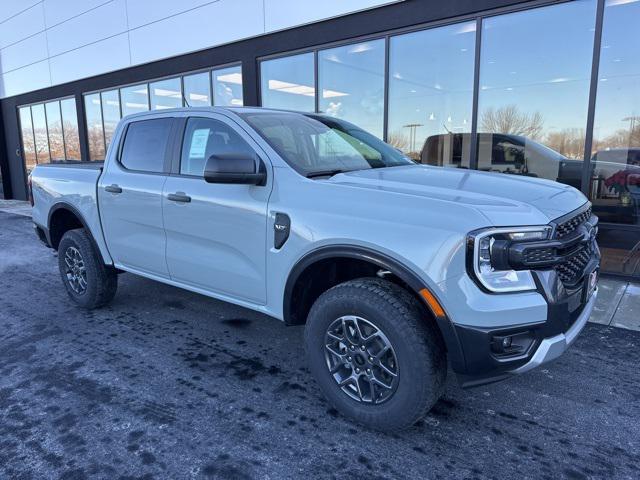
614	176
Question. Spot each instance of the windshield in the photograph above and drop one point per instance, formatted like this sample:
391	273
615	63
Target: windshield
315	144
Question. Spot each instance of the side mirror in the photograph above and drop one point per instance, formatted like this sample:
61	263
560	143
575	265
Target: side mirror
235	168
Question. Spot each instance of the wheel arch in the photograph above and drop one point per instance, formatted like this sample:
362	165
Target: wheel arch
64	217
296	314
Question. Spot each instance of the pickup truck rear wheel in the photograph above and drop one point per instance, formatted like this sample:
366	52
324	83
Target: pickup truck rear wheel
376	358
89	282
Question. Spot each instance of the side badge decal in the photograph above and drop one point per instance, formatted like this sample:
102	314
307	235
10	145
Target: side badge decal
281	229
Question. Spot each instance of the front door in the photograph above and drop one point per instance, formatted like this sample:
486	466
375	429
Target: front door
216	233
130	197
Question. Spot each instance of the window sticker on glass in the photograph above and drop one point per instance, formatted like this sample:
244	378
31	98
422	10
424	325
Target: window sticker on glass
199	143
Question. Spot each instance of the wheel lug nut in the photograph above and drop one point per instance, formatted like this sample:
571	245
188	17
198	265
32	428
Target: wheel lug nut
362	348
357	370
352	347
349	358
368	370
371	359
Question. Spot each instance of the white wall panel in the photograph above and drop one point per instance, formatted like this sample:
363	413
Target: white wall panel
142	12
280	14
21	26
213	24
89	37
104	56
58	11
25	52
97	24
13	7
26	79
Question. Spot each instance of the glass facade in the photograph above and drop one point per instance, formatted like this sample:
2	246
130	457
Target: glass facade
227	87
49	132
351	84
166	94
103	110
95	129
289	83
614	173
197	90
431	93
534	91
70	129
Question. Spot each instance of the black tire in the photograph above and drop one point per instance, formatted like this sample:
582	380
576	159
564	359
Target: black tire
421	365
100	280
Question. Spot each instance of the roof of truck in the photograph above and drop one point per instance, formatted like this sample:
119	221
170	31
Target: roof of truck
235	110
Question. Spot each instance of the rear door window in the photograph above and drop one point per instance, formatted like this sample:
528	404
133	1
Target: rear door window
145	145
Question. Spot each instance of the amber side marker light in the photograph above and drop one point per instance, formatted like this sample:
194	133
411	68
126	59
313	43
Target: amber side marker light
435	307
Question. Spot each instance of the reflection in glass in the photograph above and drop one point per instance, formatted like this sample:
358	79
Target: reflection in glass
166	94
95	134
535	87
54	129
351	84
134	99
614	185
288	83
70	129
431	94
197	90
110	114
28	145
39	119
227	87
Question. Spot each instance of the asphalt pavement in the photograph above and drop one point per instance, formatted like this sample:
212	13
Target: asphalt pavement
168	384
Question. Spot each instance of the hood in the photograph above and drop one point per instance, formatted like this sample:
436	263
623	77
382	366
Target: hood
505	200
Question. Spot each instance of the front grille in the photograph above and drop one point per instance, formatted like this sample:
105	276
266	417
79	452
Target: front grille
533	256
572	269
565	228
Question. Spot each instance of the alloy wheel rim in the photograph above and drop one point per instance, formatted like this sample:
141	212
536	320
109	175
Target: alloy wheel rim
75	271
361	359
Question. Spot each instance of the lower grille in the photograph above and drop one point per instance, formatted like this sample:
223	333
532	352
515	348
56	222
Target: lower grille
571	270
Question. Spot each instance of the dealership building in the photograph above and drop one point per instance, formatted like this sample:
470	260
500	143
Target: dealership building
547	89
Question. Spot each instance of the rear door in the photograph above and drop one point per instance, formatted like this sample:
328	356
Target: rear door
130	196
216	233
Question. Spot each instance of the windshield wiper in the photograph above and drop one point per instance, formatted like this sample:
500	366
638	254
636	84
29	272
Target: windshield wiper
325	173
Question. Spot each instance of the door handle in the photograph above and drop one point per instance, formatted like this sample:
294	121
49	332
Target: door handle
179	197
113	188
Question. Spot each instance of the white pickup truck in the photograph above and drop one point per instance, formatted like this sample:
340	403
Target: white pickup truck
398	270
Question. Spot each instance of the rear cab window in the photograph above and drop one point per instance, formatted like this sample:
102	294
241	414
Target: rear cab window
145	144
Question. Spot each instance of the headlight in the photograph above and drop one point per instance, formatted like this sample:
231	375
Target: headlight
488	252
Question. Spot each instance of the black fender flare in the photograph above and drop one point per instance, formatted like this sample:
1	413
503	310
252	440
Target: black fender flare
67	206
448	331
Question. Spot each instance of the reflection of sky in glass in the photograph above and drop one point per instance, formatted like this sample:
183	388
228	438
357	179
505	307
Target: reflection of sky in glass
540	61
288	83
166	94
134	99
197	90
351	84
110	113
227	87
618	97
430	84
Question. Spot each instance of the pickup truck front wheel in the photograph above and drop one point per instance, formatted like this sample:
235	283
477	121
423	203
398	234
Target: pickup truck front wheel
374	355
89	282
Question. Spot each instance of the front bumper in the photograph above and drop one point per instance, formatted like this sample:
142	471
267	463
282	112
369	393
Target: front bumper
552	348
